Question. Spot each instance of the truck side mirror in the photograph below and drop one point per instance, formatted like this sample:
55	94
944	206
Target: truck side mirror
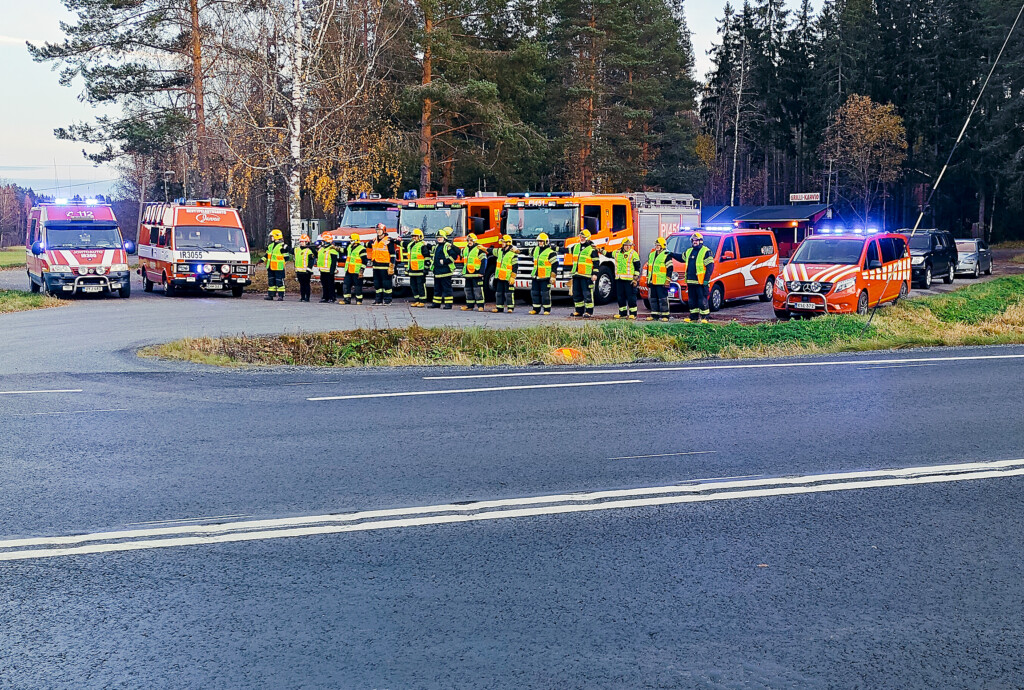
129	246
873	264
37	248
728	256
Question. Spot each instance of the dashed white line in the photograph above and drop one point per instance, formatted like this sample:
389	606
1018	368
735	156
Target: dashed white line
456	391
664	455
772	365
45	414
66	390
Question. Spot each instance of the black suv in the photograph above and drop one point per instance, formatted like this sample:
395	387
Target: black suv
933	253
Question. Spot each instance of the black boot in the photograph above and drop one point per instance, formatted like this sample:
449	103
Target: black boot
280	297
269	297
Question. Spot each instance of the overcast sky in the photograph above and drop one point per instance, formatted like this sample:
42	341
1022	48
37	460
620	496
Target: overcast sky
34	103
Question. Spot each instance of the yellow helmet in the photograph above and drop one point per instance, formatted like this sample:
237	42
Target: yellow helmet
472	236
628	240
660	241
585	234
276	234
445	232
506	238
543	237
416	232
354	237
697	236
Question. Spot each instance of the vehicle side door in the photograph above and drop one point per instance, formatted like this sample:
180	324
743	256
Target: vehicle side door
756	252
873	270
728	261
32	262
984	256
890	267
952	254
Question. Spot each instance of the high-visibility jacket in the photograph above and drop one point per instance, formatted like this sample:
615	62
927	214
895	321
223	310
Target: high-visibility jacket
327	259
276	252
381	253
542	260
697	268
626	264
355	260
657	267
506	268
443	264
302	259
582	260
474	256
417	259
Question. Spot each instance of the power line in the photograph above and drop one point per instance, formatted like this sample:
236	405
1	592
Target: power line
81	184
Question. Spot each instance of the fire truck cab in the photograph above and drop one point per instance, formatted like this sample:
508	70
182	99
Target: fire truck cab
843	273
75	247
193	245
479	214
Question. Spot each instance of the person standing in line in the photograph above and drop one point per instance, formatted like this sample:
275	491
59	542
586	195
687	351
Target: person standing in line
304	263
540	285
507	260
627	276
473	270
355	264
383	255
442	265
582	261
327	264
700	263
276	258
658	271
416	261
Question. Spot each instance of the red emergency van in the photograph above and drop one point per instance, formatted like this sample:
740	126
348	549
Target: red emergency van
75	247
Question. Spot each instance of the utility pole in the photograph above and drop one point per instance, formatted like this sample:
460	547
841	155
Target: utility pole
828	197
736	124
168	175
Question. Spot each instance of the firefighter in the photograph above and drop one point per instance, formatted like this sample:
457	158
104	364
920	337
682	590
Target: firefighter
327	264
304	263
627	276
355	264
382	256
416	255
473	269
276	256
442	265
540	285
659	268
505	276
582	264
699	265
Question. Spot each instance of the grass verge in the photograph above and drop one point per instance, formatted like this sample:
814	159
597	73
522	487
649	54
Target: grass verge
16	300
12	258
984	314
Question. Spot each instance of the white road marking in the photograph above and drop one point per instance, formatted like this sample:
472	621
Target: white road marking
772	365
664	455
68	390
695	492
44	414
896	366
473	390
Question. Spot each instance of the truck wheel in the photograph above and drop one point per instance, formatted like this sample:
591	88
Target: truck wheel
126	291
604	290
862	303
33	286
237	290
147	284
769	290
169	290
717	298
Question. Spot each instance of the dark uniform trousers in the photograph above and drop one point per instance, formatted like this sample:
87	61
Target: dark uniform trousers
352	288
304	290
583	294
327	286
443	290
625	293
505	294
540	293
659	301
383	285
697	298
418	285
275	280
475	291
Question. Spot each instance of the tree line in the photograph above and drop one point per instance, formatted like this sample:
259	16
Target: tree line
289	107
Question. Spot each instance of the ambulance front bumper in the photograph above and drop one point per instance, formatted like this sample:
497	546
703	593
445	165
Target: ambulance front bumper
70	283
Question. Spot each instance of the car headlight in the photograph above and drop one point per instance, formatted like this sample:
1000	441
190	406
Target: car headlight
83	270
815	286
119	267
917	260
225	268
780	287
60	269
207	268
968	260
847	284
100	270
794	285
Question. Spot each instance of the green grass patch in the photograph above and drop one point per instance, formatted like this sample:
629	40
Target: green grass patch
12	258
16	300
986	313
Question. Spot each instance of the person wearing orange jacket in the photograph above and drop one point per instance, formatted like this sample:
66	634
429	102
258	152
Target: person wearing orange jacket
383	254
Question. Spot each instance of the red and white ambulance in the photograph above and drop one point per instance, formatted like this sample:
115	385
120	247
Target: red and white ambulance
193	245
74	247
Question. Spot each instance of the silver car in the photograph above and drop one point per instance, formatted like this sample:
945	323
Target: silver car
975	258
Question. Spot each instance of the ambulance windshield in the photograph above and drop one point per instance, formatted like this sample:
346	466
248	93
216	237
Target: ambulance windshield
837	251
432	220
210	238
559	222
83	236
367	216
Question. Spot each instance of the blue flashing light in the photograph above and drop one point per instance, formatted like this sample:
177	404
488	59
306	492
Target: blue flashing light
460	193
410	195
60	201
91	202
872	231
362	195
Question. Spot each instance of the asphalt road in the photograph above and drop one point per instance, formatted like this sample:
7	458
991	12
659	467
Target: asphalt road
738	552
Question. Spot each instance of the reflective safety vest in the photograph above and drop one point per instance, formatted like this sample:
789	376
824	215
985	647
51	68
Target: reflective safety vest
379	252
542	257
323	258
506	265
302	256
474	261
356	259
417	260
275	256
625	264
657	267
703	259
583	260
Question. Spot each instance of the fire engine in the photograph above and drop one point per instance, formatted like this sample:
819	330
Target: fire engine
76	247
190	244
479	214
610	218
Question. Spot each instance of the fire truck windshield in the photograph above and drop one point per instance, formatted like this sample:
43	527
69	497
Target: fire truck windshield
83	236
678	244
364	216
821	251
210	238
432	220
559	222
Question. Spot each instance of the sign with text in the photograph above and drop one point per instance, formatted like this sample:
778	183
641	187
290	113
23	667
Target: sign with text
806	196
